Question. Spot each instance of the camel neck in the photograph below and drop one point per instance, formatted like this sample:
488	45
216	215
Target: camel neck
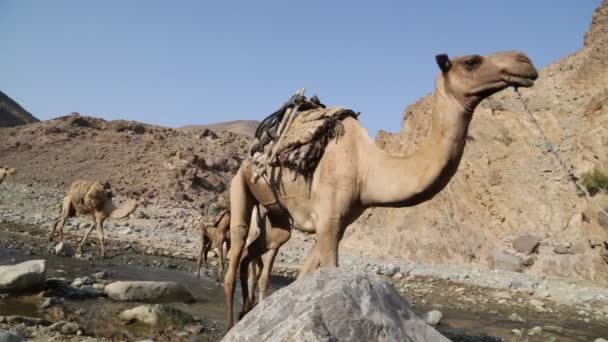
397	181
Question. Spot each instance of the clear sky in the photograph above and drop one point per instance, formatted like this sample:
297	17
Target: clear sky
174	63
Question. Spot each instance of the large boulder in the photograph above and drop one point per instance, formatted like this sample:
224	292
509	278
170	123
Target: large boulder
9	336
23	277
157	291
157	314
334	304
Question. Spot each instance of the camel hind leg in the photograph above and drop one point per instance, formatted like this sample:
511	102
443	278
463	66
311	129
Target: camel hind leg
66	211
241	205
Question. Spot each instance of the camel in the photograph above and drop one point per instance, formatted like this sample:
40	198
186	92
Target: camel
256	260
6	171
354	174
214	237
91	198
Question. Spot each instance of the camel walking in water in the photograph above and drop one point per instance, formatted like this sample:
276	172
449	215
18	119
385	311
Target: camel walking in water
91	198
354	174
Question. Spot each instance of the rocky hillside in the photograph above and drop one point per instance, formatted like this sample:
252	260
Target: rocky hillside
155	162
244	127
12	114
508	184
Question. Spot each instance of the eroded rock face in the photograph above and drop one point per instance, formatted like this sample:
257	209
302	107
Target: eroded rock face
334	305
158	291
22	277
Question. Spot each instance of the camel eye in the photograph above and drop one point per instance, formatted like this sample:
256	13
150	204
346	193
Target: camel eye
472	63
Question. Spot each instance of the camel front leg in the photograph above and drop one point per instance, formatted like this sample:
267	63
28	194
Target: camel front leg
311	263
241	205
245	274
220	265
99	224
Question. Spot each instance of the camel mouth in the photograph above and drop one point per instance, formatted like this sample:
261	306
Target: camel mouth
520	81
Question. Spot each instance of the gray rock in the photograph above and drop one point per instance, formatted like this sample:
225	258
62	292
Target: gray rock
432	317
99	275
9	336
515	318
334	304
507	262
157	291
391	270
64	249
599	340
562	249
526	243
25	276
66	328
157	314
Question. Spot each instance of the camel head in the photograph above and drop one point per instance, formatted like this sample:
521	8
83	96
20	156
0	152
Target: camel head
470	79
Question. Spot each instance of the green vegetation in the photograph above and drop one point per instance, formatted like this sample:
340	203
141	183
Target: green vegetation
595	181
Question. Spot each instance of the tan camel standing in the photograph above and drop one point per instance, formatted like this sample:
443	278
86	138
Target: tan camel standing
91	198
214	236
354	174
6	171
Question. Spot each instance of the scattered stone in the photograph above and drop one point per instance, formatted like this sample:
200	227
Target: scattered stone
334	304
562	249
125	231
147	291
507	262
49	302
99	275
528	260
432	317
63	249
535	331
502	295
516	332
391	270
157	314
26	276
526	243
516	318
553	328
600	340
66	328
538	305
31	321
10	336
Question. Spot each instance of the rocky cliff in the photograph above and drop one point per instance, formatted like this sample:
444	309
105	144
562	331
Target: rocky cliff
508	183
12	114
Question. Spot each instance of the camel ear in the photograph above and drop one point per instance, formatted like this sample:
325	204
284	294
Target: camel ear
443	61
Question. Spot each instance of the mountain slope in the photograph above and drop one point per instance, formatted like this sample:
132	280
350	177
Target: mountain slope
245	127
12	114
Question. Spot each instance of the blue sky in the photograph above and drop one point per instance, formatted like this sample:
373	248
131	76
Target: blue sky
174	63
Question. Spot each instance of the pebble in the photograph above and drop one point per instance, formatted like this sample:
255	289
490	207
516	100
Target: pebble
432	317
516	318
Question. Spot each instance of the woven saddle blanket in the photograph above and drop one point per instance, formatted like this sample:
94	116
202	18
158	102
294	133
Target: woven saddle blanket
295	136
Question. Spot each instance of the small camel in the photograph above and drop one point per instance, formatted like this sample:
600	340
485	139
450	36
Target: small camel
6	171
91	198
214	237
261	248
353	174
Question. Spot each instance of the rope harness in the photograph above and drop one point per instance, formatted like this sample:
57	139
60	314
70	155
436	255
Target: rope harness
551	147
